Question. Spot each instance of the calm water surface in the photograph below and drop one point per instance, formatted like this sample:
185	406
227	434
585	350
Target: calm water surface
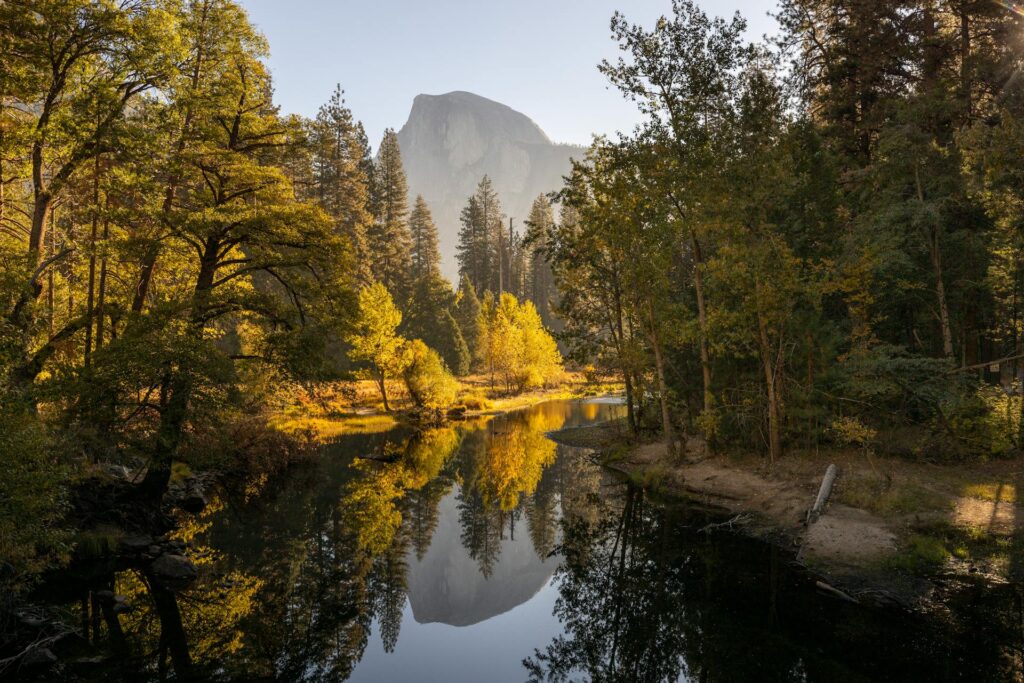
484	552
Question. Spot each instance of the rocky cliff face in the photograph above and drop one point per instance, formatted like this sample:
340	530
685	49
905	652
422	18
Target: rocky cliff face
451	141
447	587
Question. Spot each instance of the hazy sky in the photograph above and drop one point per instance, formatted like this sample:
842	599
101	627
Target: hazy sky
537	56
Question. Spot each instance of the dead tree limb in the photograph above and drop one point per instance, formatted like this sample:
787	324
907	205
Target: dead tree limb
824	493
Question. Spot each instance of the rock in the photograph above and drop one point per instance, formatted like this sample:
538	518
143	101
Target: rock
40	657
137	544
194	502
118	472
122	608
451	141
174	570
104	596
88	662
120	598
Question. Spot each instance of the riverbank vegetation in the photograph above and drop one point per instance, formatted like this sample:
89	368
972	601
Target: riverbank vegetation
808	244
808	238
178	256
806	253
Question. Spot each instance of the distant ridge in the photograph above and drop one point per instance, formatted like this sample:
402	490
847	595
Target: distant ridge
450	141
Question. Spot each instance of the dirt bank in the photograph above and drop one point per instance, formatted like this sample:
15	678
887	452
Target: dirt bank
893	530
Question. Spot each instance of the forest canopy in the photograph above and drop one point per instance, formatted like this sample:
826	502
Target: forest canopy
807	241
176	253
809	231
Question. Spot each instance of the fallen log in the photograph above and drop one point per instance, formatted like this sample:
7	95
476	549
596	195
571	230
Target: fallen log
832	590
824	493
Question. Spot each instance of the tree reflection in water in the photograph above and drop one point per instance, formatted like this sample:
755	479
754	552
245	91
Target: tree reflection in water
294	576
644	595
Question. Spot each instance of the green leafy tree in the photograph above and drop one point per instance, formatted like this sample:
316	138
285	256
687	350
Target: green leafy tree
71	72
246	250
375	340
430	383
515	344
680	74
467	313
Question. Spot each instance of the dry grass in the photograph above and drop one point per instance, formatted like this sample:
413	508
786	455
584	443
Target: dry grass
330	409
996	492
325	429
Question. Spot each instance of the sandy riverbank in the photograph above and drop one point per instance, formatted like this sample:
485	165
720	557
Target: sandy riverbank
893	529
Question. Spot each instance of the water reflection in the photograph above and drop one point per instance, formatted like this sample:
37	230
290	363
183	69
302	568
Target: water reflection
644	595
358	566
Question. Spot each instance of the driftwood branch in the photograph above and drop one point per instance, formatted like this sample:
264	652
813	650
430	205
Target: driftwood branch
832	590
824	493
727	524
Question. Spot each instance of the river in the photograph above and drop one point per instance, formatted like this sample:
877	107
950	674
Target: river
486	552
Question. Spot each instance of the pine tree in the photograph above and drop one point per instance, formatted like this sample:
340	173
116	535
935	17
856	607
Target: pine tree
389	239
428	315
456	353
540	279
340	182
426	255
467	312
470	254
481	238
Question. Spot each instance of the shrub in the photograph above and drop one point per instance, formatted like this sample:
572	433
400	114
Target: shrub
475	400
431	386
32	500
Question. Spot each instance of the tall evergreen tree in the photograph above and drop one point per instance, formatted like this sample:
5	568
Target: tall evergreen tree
389	239
467	313
540	280
480	238
426	255
340	182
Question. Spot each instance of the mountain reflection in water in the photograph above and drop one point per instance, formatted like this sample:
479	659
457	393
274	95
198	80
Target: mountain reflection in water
484	552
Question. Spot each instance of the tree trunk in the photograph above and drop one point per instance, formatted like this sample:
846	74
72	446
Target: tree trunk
93	234
702	321
771	381
940	294
659	364
824	493
630	414
101	295
172	423
384	392
20	315
42	205
174	413
932	238
51	250
619	335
